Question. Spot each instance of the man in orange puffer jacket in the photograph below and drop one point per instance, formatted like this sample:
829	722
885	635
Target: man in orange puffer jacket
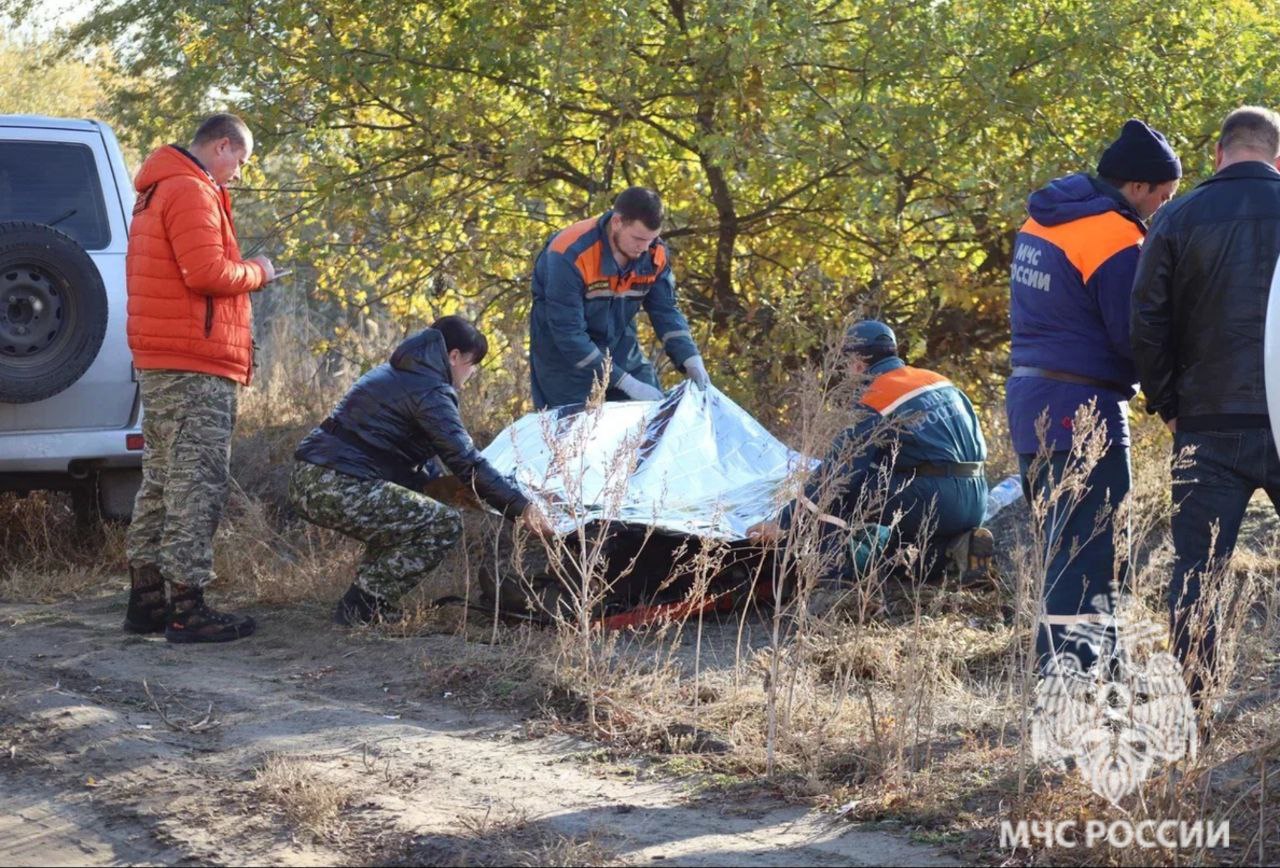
191	331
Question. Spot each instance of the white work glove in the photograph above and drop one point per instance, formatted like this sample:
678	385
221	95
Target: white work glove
695	369
638	391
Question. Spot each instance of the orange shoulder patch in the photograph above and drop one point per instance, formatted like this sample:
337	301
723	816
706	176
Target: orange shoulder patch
565	237
888	391
1089	241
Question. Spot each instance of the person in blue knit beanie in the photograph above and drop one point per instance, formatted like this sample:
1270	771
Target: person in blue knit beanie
1071	278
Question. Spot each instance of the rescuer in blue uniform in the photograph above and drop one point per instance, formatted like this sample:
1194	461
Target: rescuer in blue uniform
589	282
914	428
1074	261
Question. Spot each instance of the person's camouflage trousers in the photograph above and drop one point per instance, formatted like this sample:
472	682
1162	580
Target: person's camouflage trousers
406	534
186	426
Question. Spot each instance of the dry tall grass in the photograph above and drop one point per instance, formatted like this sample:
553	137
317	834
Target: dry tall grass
899	699
264	552
308	801
46	555
909	699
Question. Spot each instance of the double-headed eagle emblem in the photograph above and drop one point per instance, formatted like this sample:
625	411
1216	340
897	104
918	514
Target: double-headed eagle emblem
1117	720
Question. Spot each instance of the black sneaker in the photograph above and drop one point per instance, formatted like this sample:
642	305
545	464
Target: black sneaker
189	620
147	604
359	608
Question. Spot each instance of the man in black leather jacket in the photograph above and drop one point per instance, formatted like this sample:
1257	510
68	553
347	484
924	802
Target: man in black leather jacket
362	471
1199	305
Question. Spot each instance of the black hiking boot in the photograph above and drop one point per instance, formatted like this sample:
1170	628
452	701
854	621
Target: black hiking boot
189	620
147	604
359	608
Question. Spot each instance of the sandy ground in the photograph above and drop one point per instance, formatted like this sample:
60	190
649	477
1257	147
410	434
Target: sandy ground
91	772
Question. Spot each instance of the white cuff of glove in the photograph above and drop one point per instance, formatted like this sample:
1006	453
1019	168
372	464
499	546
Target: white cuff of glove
638	391
695	369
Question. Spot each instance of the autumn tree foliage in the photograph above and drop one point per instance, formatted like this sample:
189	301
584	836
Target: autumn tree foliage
816	157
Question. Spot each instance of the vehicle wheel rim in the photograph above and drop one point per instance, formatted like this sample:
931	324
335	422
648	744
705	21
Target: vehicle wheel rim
31	312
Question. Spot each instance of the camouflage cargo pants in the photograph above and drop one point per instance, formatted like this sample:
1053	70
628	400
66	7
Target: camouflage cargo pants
406	534
187	426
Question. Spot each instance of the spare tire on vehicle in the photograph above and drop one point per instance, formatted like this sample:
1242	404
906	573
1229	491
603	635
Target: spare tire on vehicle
53	312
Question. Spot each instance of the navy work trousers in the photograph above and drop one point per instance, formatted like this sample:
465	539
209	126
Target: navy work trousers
1081	578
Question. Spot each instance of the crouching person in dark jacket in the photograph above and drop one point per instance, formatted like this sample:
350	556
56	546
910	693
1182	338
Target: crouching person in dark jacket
361	472
915	430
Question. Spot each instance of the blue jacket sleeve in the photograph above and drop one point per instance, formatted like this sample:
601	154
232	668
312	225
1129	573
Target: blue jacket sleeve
668	323
563	288
1112	286
854	456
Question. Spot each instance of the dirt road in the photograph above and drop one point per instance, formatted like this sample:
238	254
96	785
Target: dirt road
91	772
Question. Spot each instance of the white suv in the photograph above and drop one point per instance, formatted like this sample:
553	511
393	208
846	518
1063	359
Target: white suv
70	414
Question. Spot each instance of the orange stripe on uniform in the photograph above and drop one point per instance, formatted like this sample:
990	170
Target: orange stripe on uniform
590	262
565	237
622	286
659	258
589	265
888	390
1089	241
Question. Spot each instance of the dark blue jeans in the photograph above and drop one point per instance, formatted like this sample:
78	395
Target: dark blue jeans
1081	582
1223	474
